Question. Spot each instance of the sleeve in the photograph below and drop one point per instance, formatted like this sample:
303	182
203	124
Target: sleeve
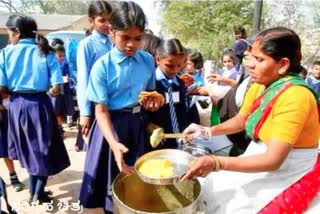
249	98
55	72
83	65
98	83
291	111
151	85
3	74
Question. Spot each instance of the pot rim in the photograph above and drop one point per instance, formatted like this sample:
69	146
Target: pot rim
115	196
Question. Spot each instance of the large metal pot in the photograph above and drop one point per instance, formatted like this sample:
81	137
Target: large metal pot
133	196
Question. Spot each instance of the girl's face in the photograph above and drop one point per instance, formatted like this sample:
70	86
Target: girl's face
228	62
128	40
171	64
190	67
101	24
263	68
13	36
60	56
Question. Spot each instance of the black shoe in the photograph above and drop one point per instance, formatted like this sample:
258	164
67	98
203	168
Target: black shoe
18	186
40	199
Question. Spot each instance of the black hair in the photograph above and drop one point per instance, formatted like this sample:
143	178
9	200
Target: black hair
196	58
240	30
127	14
27	27
170	47
231	55
281	42
99	8
148	31
56	41
316	63
150	43
88	32
59	48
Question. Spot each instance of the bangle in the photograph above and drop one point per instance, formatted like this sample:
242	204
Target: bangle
216	162
224	164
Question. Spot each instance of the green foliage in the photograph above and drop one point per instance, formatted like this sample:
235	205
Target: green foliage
207	26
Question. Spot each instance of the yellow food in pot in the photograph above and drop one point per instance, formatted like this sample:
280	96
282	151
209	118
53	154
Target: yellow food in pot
157	168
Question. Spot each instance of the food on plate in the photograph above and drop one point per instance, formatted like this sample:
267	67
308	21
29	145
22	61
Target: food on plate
157	168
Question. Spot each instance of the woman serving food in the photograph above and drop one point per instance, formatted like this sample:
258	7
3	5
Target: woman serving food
280	114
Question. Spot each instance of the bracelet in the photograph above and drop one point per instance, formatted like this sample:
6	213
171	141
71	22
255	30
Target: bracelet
217	163
224	165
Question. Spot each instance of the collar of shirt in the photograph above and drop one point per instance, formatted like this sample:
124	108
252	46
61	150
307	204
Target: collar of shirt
27	41
103	38
160	76
313	79
120	56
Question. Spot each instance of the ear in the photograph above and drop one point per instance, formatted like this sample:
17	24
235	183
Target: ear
284	66
91	21
17	33
158	59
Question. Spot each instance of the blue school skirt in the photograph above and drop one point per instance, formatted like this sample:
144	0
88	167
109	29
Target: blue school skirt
3	134
63	103
100	167
33	134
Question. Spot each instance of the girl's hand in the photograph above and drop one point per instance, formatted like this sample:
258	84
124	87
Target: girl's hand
151	101
187	79
214	77
151	104
200	167
118	150
85	123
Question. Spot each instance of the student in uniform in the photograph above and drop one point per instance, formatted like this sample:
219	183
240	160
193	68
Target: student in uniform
194	67
63	103
17	185
118	135
173	118
27	70
89	50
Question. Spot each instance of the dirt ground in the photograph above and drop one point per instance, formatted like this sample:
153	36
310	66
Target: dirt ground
65	186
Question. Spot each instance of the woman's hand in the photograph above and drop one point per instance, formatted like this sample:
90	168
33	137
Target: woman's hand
200	167
118	150
194	131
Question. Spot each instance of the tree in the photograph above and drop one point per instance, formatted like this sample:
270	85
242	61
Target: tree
292	14
207	26
55	6
8	5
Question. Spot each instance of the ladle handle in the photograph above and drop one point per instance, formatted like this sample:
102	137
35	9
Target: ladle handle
174	135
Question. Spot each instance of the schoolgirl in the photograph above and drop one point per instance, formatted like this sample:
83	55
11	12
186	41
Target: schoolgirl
27	70
118	135
89	50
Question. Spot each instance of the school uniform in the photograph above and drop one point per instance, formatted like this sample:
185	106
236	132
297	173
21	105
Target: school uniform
63	103
33	136
3	132
90	49
116	81
313	83
162	116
